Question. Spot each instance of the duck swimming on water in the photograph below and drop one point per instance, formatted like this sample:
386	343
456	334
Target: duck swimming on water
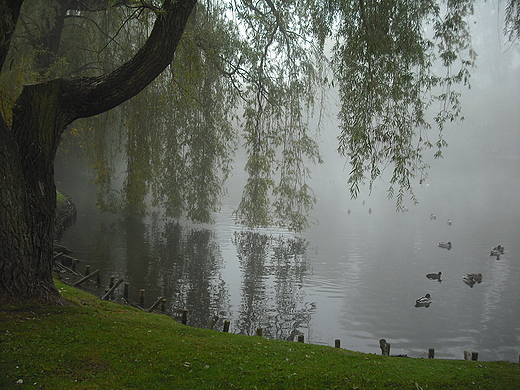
471	279
475	277
423	301
446	245
497	250
436	276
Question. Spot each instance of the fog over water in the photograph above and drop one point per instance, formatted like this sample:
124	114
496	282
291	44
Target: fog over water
353	276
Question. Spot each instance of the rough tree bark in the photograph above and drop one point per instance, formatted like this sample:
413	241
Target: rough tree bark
28	149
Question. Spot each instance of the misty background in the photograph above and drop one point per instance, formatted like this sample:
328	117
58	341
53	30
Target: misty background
351	276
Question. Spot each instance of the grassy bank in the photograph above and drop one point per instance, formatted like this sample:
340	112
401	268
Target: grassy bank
92	344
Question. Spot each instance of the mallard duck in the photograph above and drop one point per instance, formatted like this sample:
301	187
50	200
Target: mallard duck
497	250
446	245
436	276
426	300
471	279
475	277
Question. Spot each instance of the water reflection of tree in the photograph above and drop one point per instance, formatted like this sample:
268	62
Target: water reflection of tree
180	263
279	264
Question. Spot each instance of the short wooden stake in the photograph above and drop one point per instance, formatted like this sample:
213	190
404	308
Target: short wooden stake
98	280
467	355
87	270
226	325
74	263
141	297
154	306
300	338
431	353
163	305
85	278
474	356
337	343
125	292
259	331
111	290
184	316
385	347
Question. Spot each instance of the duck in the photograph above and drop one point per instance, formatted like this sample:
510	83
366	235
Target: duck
446	245
449	222
436	276
476	277
433	217
471	279
497	250
426	299
423	301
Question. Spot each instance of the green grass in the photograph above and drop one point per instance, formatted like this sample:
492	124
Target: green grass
92	344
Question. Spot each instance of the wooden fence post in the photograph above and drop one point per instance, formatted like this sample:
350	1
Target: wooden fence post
212	322
163	305
474	356
154	306
337	343
184	316
300	338
467	355
87	270
226	326
125	292
385	347
111	284
259	332
85	278
141	297
111	290
431	353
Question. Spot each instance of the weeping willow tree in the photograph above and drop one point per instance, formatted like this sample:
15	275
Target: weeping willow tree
178	136
178	70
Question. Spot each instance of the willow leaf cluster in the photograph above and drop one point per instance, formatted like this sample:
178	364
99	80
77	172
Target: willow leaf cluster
387	63
254	72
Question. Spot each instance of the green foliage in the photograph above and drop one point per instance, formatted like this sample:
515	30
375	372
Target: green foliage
397	66
512	18
94	344
385	62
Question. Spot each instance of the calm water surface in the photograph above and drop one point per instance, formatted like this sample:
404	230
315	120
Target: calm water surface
353	277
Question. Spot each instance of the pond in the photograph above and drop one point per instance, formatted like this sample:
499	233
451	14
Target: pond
354	276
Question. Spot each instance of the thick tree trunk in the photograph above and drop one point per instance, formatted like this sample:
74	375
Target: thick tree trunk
26	228
28	149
